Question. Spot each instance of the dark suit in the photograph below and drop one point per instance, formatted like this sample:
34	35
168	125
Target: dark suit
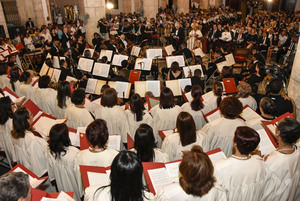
178	37
64	40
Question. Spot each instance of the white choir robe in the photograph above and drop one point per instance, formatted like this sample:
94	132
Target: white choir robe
283	176
249	101
4	81
86	157
174	192
59	112
116	120
197	115
173	147
62	170
77	117
163	119
210	104
17	87
220	133
103	194
28	91
32	153
6	140
243	179
91	106
133	124
159	156
46	99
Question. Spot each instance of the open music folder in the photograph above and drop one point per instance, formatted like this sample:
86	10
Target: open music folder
56	61
94	86
114	142
106	53
12	95
151	102
154	53
199	52
44	69
122	88
141	87
33	108
179	59
40	195
190	70
93	175
134	75
130	142
169	49
85	64
177	86
143	64
118	58
135	51
164	133
34	180
101	69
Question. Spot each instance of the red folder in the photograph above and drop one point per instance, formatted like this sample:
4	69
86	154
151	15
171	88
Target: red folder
84	143
151	166
229	85
37	195
163	135
32	107
7	91
130	142
43	115
35	82
84	169
134	76
151	99
210	113
213	151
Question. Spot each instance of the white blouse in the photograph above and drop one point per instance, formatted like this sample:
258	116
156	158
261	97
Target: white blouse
249	101
133	124
77	117
197	115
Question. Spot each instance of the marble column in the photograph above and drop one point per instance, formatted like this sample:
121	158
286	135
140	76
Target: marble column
204	4
3	21
150	8
183	6
95	9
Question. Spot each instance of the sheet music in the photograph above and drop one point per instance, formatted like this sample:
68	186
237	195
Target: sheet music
199	52
85	64
74	138
221	65
91	85
173	170
91	51
122	89
169	49
189	96
184	82
56	61
12	97
265	144
101	69
179	59
174	86
143	64
217	156
96	178
159	178
140	88
214	116
114	142
272	128
70	79
154	53
99	86
230	59
249	114
154	87
34	182
50	72
117	60
44	69
107	53
192	69
56	75
44	125
135	51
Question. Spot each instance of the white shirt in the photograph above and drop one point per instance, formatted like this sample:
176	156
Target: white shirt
249	101
6	140
77	117
197	115
46	99
4	81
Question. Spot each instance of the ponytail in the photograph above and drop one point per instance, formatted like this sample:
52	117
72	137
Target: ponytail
196	104
218	91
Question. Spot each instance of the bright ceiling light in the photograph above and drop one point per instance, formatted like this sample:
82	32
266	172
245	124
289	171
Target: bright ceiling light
109	5
269	1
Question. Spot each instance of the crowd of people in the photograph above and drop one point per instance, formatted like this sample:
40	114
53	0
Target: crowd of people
246	174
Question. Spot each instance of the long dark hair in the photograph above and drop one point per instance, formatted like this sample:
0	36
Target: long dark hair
59	140
14	76
186	127
5	109
137	106
25	76
196	104
20	123
166	99
144	143
218	91
63	91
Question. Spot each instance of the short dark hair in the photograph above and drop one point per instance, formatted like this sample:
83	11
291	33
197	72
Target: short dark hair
14	185
268	106
186	127
78	96
144	143
20	123
44	81
275	86
3	69
166	98
97	133
246	139
289	130
231	107
25	76
109	98
5	109
175	66
197	172
59	139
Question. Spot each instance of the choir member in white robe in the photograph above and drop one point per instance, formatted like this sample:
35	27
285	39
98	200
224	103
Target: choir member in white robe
26	88
6	111
144	146
244	94
242	174
61	157
220	132
113	114
14	84
213	101
136	114
98	154
283	164
30	149
4	80
45	96
76	114
196	180
164	114
184	139
195	107
63	99
126	181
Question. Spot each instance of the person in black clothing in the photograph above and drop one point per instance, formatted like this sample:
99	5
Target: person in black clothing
29	23
175	72
103	28
197	80
186	52
178	36
97	42
65	70
65	40
55	51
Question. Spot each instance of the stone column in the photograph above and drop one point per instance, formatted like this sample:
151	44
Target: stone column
96	10
150	8
183	6
3	21
31	9
204	4
163	3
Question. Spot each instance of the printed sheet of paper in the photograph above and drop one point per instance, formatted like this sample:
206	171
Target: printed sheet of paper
44	125
159	178
96	178
214	116
217	156
56	75
174	86
101	69
154	87
265	144
44	69
179	59
118	58
143	64
184	82
169	49
74	138
154	53
114	142
191	69
99	86
173	170
249	114
140	88
107	53
122	88
56	61
135	51
91	85
50	72
189	96
230	59
199	52
221	65
91	51
85	64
